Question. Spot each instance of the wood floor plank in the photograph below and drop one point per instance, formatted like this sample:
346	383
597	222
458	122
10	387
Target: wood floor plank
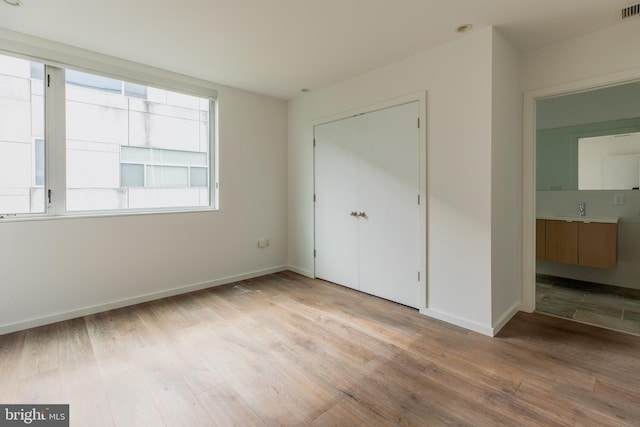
175	401
565	410
226	407
11	350
84	391
74	344
315	332
283	349
82	387
41	350
129	400
179	351
38	370
349	412
276	390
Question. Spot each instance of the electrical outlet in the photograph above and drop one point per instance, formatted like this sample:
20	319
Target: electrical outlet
264	243
618	199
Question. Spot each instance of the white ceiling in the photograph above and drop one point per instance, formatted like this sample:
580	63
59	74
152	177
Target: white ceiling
277	47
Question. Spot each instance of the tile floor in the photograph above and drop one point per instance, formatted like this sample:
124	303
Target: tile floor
611	307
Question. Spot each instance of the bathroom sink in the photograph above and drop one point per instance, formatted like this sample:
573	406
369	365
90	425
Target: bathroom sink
610	220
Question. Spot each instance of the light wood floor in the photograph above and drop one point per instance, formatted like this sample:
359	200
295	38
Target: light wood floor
286	350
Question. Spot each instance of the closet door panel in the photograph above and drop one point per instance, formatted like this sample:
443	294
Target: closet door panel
336	162
388	195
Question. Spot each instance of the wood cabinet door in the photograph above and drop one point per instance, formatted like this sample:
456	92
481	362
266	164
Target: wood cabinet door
561	241
541	240
598	244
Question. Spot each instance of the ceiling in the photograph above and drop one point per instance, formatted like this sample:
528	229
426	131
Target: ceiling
278	47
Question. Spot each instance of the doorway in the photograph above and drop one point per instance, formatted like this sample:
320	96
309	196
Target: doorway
556	187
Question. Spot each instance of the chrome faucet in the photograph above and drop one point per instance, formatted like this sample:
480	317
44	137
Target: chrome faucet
581	208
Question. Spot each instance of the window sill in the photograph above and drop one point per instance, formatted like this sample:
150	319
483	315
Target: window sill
93	214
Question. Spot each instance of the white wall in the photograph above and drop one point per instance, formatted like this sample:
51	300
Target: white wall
595	54
589	61
61	268
458	79
506	202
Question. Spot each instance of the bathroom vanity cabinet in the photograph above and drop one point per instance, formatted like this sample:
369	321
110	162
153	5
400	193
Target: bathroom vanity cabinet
580	241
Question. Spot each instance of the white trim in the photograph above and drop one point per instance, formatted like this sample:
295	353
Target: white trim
103	214
505	318
422	209
302	271
420	96
86	311
55	123
529	172
458	321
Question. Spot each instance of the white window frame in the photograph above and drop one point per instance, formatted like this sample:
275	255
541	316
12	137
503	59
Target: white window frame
55	121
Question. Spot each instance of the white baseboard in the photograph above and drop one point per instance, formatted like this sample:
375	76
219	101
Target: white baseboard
463	323
504	319
526	308
302	271
86	311
473	326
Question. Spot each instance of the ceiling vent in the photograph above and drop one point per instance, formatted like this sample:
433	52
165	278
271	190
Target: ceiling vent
630	11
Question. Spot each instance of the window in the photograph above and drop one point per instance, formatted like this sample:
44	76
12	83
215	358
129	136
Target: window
125	146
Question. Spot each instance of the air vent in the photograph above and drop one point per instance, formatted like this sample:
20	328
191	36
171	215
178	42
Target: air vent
630	11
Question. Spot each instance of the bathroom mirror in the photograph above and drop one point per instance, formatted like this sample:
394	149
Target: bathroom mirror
605	123
610	162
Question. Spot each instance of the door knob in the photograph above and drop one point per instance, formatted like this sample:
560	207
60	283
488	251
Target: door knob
354	213
362	214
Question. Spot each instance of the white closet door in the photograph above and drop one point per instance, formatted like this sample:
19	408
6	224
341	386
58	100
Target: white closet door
336	231
388	194
369	165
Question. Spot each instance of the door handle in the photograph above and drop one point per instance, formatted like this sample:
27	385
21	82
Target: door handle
362	214
353	213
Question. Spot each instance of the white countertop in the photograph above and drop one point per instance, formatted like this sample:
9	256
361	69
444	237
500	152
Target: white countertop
609	220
